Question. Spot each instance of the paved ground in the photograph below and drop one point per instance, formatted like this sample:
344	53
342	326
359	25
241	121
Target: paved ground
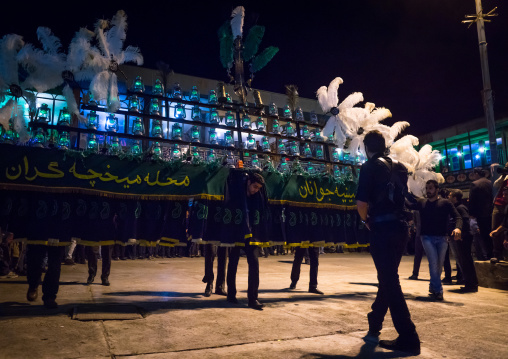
178	322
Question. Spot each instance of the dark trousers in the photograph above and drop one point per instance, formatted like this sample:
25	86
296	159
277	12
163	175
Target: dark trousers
418	255
313	254
485	227
106	253
211	251
252	253
447	267
462	251
34	258
387	243
497	242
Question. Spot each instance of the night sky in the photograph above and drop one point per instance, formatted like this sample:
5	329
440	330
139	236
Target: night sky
412	57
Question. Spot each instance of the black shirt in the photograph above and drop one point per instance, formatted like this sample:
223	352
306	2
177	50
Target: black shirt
435	216
374	178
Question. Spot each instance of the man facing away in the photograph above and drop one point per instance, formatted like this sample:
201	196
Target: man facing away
480	208
434	213
380	202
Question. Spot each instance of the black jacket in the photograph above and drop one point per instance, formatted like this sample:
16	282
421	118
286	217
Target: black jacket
480	198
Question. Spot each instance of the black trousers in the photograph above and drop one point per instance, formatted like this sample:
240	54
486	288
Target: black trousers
212	251
418	255
106	253
313	253
447	267
485	227
252	253
34	257
462	251
387	244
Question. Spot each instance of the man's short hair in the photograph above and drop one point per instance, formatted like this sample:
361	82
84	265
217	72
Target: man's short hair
256	178
374	142
433	182
457	194
479	171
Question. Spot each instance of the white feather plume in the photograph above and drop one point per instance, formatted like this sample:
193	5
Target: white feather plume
50	43
397	128
238	16
117	34
333	92
19	124
9	48
113	100
351	100
5	113
322	96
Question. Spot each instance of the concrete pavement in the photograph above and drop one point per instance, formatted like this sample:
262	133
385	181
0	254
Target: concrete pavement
179	322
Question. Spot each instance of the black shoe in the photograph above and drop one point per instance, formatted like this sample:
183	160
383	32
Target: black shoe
220	291
494	260
69	261
208	289
467	289
292	285
408	346
256	305
90	279
233	300
315	291
50	304
105	281
413	277
372	337
446	280
31	295
436	297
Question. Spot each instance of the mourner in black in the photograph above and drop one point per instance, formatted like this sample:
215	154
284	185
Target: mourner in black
461	246
480	208
255	199
380	200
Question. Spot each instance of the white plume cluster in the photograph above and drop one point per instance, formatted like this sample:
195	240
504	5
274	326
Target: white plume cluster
43	67
237	17
111	36
349	124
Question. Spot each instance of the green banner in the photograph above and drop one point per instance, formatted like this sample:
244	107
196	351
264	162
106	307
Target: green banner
56	171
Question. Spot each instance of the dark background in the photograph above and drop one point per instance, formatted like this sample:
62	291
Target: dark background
412	57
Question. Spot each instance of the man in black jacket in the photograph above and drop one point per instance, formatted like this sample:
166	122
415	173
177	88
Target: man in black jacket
252	198
461	246
380	202
480	208
435	213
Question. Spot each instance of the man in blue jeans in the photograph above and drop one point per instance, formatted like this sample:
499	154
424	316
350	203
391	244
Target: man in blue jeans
434	214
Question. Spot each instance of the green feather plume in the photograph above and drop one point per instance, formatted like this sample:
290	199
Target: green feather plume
264	58
226	44
252	42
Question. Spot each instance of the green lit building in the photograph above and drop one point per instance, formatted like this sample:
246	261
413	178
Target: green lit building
464	147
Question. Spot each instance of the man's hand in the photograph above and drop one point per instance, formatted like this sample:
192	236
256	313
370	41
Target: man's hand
457	234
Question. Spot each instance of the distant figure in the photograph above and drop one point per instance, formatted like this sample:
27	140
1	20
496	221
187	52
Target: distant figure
480	209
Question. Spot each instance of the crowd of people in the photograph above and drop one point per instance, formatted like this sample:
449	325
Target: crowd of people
441	222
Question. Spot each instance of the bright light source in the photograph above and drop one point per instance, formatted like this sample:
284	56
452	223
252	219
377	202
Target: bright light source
482	149
477	156
459	154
